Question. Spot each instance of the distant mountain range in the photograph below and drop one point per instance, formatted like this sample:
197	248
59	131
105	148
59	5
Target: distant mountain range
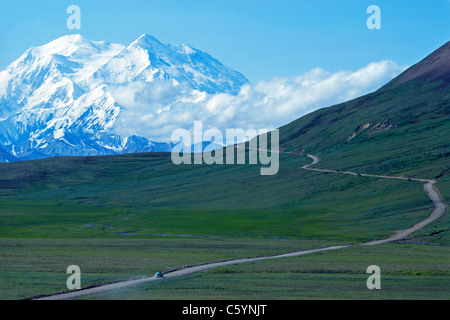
55	100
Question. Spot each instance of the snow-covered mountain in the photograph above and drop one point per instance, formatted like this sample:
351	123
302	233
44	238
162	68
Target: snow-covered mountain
55	100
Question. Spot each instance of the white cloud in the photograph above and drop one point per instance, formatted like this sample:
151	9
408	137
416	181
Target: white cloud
154	110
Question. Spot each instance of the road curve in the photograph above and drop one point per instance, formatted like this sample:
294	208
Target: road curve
440	209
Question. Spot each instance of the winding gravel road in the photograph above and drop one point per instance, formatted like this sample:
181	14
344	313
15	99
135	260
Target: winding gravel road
440	209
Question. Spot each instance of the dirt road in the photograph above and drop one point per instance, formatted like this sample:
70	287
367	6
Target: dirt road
440	207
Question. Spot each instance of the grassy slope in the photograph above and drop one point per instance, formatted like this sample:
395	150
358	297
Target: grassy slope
417	144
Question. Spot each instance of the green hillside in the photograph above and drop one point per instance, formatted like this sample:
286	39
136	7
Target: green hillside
399	129
402	128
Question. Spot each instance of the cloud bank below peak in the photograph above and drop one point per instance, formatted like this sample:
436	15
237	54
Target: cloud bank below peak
156	109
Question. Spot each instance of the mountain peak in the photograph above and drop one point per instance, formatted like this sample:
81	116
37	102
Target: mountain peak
147	40
65	45
71	37
434	67
76	39
146	36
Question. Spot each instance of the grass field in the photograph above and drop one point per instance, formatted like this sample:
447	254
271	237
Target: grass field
31	267
407	272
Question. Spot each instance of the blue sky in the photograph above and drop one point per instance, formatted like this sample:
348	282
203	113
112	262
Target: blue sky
260	38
